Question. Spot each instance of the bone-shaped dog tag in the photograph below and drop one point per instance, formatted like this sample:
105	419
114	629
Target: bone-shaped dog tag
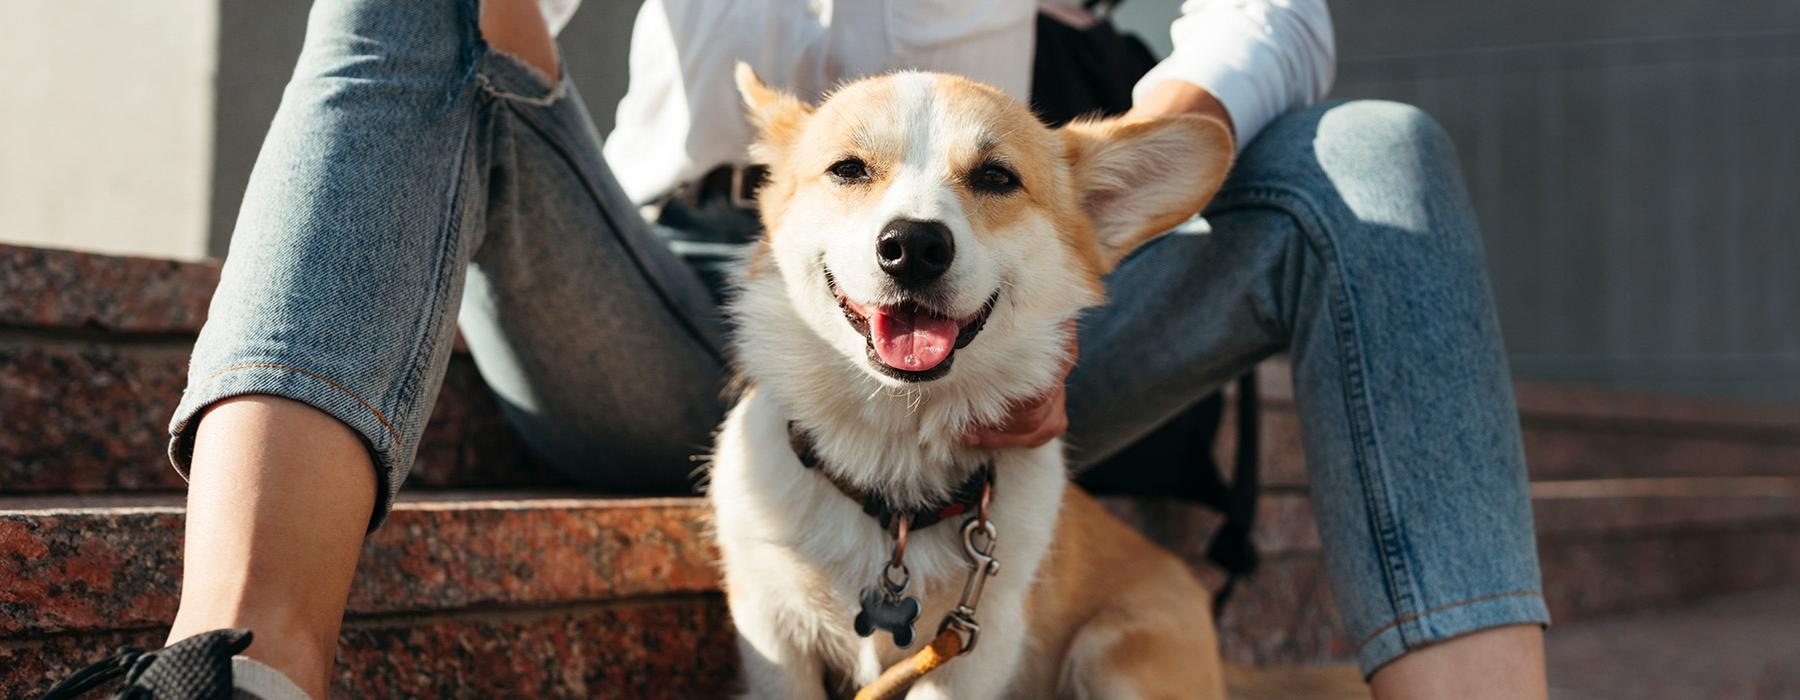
895	615
885	607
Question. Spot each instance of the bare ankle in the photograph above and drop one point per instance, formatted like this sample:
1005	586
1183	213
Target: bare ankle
278	503
303	660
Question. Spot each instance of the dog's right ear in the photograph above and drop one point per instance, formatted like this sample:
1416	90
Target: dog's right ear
1138	178
776	115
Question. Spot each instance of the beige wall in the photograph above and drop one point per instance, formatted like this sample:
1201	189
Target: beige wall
106	124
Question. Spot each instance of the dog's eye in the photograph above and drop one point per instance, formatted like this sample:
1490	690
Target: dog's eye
850	170
994	178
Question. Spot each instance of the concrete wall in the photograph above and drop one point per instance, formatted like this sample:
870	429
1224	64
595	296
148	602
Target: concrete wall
106	124
1633	163
260	42
1635	166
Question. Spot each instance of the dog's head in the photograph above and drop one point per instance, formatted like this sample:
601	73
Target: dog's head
917	219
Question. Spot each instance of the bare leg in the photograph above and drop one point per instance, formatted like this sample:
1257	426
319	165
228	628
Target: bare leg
281	493
280	497
1500	663
516	27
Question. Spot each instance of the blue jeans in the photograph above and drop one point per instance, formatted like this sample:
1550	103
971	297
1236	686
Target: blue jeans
415	180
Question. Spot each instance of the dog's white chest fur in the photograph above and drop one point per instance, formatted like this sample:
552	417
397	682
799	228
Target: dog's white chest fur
797	552
915	220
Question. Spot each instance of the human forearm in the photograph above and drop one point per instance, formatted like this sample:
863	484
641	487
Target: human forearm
1181	97
1259	59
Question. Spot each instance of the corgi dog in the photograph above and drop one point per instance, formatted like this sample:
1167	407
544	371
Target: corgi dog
928	244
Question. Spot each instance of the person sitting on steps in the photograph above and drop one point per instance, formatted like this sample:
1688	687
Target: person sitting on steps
431	166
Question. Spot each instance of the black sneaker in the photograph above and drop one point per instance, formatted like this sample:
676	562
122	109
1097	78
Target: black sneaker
196	668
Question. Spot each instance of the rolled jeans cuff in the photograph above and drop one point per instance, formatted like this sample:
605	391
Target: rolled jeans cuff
297	384
1413	632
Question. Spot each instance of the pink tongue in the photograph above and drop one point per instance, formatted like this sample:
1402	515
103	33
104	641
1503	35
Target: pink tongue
908	340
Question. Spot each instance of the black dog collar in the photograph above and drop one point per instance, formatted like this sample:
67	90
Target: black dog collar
966	498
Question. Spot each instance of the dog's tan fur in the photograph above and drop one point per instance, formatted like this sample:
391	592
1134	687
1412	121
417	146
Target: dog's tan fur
1108	597
1084	606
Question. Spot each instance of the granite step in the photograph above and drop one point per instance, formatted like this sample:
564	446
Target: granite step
93	357
90	563
452	572
89	415
457	595
1735	646
676	647
93	353
1606	546
1573	432
493	570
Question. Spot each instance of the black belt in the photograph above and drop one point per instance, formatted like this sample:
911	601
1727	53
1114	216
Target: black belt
736	184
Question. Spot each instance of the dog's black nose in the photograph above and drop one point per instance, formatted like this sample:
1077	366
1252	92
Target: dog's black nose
915	252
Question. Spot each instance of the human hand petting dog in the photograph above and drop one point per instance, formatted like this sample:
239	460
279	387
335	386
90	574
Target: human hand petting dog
1035	422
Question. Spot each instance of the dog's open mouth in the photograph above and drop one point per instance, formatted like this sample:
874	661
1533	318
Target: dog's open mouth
910	341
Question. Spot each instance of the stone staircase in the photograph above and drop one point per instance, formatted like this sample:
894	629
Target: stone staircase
493	578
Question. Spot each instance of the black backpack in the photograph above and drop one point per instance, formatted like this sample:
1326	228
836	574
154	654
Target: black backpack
1088	71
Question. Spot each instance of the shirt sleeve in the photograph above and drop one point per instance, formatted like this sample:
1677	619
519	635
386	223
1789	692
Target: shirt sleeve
557	13
1260	58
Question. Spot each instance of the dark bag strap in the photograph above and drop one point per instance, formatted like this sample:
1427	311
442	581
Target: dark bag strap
1091	71
1084	71
1232	548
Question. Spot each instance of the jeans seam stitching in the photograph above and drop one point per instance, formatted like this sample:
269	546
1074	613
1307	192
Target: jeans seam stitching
1233	199
198	388
551	136
405	393
1391	624
1395	567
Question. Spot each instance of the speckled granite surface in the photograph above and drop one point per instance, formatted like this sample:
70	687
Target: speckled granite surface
664	648
93	357
116	441
126	379
107	563
1579	434
465	553
85	416
1739	647
1602	552
470	595
460	595
114	563
65	289
680	648
126	391
87	571
29	667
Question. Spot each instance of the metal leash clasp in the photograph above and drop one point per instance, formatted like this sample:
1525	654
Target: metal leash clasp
982	564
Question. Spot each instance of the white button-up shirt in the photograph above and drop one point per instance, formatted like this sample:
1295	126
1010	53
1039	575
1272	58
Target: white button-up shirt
681	115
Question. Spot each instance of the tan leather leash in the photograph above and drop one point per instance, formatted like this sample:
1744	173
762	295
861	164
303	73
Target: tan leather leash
894	682
959	631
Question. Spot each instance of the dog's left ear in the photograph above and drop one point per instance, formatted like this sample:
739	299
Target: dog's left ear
1139	178
776	115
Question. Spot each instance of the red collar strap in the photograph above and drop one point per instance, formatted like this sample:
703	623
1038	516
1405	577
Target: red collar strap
965	499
